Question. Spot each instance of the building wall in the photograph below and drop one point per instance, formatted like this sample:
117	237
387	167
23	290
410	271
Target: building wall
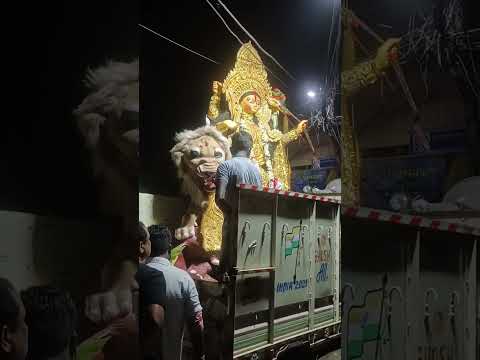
37	250
159	209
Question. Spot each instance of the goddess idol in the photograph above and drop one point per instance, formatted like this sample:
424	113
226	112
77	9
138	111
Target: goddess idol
254	107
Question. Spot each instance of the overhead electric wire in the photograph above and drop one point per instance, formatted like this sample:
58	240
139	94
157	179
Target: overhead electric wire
365	26
203	56
254	40
472	86
334	63
241	42
224	22
180	45
332	26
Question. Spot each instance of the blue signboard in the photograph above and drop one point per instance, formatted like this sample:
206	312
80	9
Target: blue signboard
448	141
415	175
315	177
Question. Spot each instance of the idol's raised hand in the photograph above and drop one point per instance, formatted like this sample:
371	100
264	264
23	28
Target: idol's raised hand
217	88
302	126
385	53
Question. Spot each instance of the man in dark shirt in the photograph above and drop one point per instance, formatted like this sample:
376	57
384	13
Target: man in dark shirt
239	170
152	311
152	294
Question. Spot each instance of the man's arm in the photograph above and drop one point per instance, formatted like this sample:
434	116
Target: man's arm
195	325
157	314
152	288
194	319
154	317
222	179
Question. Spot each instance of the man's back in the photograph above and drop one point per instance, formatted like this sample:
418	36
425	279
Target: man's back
243	169
152	285
152	293
181	303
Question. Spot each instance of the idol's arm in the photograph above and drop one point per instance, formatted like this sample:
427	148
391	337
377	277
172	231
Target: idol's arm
369	72
358	78
294	134
214	107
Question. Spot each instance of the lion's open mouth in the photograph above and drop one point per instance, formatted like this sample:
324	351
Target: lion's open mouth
206	174
207	181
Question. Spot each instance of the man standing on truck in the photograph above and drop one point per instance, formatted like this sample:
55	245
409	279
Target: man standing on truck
239	170
182	304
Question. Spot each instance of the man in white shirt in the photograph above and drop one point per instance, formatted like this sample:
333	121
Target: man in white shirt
182	304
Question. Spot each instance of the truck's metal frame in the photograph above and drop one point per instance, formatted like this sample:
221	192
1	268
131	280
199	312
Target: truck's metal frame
309	327
437	274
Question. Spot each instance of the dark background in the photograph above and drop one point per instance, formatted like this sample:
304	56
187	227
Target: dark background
44	167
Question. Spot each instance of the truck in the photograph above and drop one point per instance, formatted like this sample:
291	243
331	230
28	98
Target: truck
283	287
281	291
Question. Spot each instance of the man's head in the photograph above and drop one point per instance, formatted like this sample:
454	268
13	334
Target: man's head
241	142
160	239
145	246
13	330
52	319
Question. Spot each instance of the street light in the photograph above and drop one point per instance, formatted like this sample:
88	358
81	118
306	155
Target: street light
311	94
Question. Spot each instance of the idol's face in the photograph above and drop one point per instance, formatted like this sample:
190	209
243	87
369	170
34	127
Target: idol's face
250	103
